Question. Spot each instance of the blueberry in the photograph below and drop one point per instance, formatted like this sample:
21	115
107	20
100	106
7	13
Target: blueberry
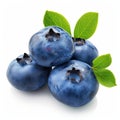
85	51
24	74
51	46
73	83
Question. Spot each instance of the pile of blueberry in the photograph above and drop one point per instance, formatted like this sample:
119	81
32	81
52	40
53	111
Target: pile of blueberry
59	60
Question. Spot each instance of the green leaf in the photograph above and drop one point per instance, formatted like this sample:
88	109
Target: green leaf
102	61
86	25
105	77
54	18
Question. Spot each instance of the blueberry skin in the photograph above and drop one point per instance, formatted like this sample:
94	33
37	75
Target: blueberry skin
27	76
51	50
73	93
86	52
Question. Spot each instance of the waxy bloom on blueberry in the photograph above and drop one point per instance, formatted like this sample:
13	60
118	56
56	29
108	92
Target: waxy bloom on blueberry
84	51
24	74
51	46
73	83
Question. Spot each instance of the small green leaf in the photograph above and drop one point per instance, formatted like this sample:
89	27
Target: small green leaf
102	61
86	25
105	77
54	18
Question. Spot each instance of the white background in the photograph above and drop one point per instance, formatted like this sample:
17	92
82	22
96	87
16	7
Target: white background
19	20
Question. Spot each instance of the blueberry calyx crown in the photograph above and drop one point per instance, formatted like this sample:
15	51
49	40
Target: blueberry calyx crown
79	41
24	60
51	33
72	78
